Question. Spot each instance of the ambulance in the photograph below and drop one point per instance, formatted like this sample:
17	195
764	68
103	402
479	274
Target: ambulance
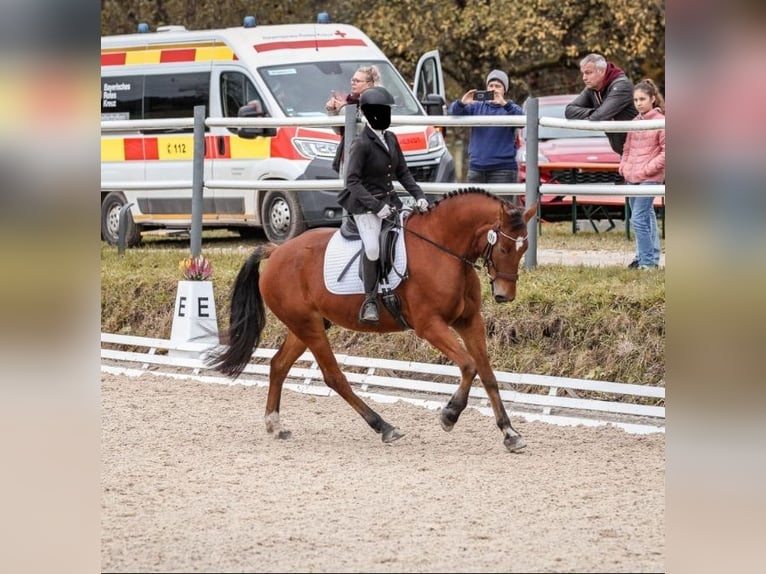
289	71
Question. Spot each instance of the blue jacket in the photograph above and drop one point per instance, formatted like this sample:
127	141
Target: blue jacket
490	147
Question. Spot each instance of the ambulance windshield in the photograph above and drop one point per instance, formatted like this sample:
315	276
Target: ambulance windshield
302	90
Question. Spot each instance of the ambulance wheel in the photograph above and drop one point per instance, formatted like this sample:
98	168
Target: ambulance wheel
282	216
110	221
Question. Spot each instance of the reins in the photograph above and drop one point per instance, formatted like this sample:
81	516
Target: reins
486	254
438	246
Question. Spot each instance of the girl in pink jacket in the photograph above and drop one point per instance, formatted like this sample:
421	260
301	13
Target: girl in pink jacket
643	162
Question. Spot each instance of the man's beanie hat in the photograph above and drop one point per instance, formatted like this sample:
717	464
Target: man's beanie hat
500	76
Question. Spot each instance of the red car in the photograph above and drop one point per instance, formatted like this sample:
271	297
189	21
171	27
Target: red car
569	156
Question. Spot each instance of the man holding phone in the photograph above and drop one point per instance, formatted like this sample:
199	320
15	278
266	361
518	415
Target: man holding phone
491	149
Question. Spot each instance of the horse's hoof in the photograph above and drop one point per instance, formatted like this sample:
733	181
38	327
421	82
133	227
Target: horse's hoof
514	443
446	423
392	435
283	434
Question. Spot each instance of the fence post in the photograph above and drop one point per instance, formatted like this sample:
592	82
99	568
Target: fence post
349	134
122	228
532	192
198	172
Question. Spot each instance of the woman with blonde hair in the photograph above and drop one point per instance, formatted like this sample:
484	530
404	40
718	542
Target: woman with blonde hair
364	78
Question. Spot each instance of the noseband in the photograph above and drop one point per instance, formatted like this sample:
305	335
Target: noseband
489	264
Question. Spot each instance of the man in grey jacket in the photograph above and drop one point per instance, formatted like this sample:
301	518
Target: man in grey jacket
608	95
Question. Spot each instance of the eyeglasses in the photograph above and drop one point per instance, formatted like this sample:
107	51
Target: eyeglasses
358	81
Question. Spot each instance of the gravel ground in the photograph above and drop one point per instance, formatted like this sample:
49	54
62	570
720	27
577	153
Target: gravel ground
595	258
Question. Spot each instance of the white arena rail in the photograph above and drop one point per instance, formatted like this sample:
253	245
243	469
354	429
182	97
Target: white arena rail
425	384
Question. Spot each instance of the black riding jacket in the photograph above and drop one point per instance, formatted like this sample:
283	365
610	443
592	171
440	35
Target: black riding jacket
370	172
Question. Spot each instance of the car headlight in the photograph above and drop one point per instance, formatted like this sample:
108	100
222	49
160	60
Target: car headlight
436	141
311	148
521	156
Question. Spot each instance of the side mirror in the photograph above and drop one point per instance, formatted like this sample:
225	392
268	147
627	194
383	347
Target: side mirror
433	104
253	110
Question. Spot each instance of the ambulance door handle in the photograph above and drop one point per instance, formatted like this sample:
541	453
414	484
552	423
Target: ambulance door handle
221	145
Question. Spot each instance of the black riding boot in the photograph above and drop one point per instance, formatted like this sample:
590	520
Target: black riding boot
369	311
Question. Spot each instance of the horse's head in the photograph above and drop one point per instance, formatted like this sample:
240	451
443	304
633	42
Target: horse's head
506	244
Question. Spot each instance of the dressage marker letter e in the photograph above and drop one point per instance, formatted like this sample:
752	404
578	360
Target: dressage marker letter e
194	318
181	306
203	306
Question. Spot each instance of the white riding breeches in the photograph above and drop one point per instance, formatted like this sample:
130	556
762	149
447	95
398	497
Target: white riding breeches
369	226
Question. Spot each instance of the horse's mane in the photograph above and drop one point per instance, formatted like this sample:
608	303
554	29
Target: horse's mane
516	214
464	191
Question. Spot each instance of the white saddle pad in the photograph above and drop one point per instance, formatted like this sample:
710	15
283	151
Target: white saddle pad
340	251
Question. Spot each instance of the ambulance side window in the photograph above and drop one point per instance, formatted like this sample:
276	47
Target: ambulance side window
236	91
176	95
122	98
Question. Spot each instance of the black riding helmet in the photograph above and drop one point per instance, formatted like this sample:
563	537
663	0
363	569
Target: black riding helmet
376	105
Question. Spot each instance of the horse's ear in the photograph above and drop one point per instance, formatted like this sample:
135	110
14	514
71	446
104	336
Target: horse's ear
530	213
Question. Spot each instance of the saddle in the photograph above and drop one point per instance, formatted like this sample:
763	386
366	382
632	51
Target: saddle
389	234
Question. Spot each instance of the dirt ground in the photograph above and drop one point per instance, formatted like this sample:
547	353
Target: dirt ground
192	483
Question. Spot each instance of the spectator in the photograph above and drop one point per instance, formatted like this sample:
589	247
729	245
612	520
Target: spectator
375	159
364	77
643	162
491	149
608	95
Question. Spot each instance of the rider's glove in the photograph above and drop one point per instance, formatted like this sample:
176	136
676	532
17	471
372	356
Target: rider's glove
384	212
422	204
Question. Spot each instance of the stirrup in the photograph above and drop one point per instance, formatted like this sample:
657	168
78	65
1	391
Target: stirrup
369	311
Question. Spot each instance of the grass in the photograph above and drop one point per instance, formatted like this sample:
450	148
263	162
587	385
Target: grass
583	322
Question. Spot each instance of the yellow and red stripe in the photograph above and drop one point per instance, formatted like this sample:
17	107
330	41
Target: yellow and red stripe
181	148
169	53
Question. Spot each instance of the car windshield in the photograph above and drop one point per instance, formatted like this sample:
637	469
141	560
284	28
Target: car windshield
303	89
549	133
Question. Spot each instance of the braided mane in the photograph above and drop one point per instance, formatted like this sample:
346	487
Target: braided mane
464	191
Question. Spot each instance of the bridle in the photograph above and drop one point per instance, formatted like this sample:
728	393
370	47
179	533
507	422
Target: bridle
486	254
489	264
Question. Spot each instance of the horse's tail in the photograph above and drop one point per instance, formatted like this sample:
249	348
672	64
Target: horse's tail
247	317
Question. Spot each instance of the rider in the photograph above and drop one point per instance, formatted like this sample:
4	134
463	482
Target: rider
374	161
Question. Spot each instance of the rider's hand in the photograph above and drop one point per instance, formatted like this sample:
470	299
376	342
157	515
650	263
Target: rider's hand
422	204
384	212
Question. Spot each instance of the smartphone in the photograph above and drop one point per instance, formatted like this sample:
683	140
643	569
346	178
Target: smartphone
484	95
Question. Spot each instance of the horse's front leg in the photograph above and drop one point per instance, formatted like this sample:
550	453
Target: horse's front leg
440	336
473	333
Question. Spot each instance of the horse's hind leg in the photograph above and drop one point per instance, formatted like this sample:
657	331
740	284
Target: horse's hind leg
283	359
336	380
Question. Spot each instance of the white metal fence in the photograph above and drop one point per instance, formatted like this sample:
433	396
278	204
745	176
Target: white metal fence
337	184
532	189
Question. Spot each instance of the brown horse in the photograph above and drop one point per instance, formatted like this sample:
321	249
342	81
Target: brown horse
442	292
